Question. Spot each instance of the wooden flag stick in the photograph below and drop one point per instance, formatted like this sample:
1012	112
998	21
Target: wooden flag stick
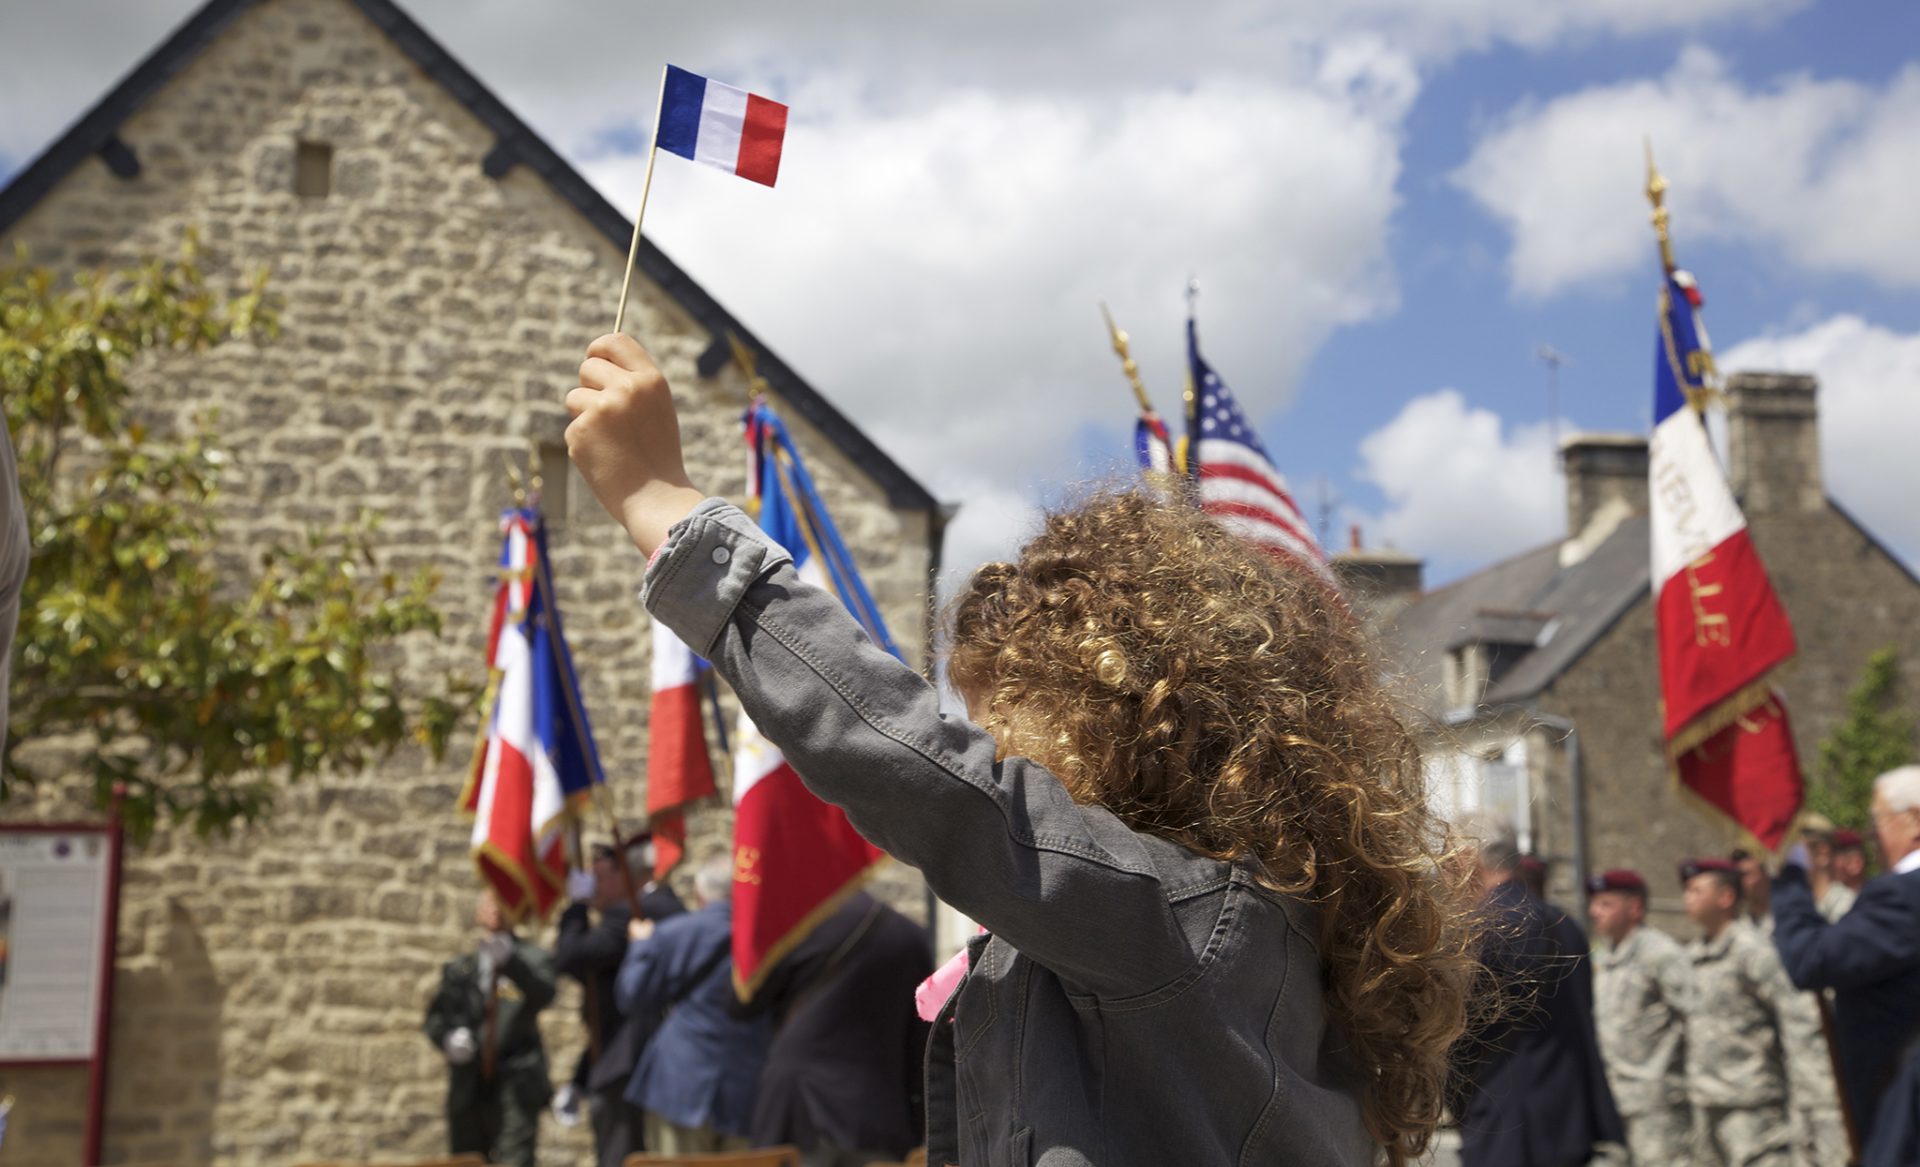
646	185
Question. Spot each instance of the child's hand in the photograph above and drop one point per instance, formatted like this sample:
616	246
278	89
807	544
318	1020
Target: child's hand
625	439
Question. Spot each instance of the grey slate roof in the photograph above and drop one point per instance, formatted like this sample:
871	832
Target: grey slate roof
1543	615
97	133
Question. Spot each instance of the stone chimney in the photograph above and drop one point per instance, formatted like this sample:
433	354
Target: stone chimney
1773	443
1606	482
1380	581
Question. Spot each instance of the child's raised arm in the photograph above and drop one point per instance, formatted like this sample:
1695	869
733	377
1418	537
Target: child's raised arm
1070	886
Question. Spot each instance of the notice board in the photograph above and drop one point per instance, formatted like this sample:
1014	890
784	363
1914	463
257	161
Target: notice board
56	917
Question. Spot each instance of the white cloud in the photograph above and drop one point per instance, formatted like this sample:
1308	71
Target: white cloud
937	270
1869	415
963	183
1816	170
1460	488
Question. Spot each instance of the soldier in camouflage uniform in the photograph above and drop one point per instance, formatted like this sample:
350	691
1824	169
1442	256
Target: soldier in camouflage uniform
484	1021
1741	1011
1640	991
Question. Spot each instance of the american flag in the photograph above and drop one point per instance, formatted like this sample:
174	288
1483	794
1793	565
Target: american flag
1235	480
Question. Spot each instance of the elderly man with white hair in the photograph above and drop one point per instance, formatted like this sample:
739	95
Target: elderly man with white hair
1870	958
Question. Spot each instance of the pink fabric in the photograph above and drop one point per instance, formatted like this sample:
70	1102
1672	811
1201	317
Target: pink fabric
934	991
657	553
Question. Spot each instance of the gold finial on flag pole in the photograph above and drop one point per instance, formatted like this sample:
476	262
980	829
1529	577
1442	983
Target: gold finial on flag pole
1657	195
1127	363
749	364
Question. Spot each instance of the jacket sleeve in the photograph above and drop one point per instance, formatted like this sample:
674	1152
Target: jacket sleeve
653	970
583	949
440	1020
1000	840
531	969
1879	938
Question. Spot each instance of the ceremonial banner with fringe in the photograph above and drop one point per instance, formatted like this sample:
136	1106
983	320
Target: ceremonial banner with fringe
679	771
1721	629
795	858
535	763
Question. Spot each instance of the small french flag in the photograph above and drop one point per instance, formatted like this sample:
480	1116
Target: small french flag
721	126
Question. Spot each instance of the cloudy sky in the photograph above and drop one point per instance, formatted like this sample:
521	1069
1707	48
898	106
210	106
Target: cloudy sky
1389	205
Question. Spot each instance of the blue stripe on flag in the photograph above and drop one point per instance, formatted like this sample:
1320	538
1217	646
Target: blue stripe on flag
1679	339
680	104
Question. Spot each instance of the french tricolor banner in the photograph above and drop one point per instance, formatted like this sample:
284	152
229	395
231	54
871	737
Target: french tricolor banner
1721	629
535	763
795	858
719	125
679	770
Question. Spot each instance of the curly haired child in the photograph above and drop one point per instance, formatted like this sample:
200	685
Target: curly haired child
1218	928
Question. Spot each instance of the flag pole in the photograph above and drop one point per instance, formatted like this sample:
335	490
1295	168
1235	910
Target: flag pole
1127	364
1657	195
646	185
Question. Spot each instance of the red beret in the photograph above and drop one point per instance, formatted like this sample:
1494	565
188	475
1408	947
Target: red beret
1693	867
1616	879
1847	840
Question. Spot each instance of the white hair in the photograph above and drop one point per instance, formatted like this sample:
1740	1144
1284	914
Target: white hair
1493	837
713	882
1900	788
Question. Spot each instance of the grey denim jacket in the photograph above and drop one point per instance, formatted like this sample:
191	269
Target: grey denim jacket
1134	1004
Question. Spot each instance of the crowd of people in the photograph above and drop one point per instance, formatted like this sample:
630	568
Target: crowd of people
1784	1033
824	1056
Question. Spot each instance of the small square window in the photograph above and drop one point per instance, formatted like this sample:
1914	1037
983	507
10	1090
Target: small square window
556	475
312	170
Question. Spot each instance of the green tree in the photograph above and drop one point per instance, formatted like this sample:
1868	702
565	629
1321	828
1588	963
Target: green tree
190	686
1875	736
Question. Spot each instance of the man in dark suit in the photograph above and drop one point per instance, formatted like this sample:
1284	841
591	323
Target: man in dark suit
590	953
484	1021
1870	958
1531	1090
696	1078
844	1072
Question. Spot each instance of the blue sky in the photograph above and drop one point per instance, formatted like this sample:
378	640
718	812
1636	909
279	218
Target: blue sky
1389	205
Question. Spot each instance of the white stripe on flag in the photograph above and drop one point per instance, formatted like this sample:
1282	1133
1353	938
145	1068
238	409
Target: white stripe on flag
1213	450
673	662
754	757
1271	534
1254	495
1693	510
722	115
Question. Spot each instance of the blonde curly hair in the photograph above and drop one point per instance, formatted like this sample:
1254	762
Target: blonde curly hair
1204	693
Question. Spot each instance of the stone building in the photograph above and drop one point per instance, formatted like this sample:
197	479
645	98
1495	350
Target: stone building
1540	676
442	269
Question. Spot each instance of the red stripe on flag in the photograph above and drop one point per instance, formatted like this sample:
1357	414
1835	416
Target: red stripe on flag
1215	506
522	878
794	856
1248	474
1721	628
761	134
678	769
1750	772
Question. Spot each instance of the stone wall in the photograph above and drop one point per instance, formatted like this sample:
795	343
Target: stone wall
271	985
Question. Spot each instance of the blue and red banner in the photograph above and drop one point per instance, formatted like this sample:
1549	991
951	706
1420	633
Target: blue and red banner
721	126
1722	631
795	858
536	762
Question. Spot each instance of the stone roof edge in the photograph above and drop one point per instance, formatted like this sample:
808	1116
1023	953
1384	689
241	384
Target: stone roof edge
1600	629
97	131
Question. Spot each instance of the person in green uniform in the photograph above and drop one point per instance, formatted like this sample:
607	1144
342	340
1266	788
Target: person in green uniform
484	1021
